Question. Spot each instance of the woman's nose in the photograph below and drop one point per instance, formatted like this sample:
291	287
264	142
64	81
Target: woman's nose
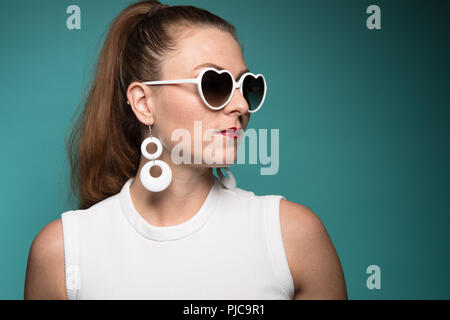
237	103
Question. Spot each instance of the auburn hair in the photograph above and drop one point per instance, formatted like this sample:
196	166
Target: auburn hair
104	143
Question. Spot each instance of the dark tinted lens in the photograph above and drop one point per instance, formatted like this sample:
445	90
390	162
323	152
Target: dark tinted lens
216	87
253	90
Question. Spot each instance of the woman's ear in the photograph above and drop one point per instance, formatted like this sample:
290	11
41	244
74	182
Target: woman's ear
139	99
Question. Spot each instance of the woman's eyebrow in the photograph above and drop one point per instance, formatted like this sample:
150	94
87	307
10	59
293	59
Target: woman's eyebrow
208	64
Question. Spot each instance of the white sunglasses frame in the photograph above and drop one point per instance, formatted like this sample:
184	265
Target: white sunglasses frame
198	82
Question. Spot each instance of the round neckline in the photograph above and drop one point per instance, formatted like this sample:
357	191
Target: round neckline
167	233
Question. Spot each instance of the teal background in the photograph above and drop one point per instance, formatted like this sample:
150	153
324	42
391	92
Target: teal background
363	118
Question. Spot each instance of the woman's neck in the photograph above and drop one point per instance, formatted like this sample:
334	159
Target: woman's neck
179	202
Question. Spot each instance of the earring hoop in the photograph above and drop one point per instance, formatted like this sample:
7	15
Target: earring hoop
230	182
146	142
148	181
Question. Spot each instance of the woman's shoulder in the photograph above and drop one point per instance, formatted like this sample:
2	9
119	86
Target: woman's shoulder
312	257
49	240
45	275
299	225
45	268
101	210
298	215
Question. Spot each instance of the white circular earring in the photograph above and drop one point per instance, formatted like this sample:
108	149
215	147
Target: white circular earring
230	182
151	183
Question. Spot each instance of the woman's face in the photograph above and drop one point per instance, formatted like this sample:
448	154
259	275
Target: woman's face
179	106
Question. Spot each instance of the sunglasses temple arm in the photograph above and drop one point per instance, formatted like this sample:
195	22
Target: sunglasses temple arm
171	81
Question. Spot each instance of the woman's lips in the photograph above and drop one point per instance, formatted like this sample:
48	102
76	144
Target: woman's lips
232	132
229	134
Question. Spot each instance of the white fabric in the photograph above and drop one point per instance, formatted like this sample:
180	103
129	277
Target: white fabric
230	249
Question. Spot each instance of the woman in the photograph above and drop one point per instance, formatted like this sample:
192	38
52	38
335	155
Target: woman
150	228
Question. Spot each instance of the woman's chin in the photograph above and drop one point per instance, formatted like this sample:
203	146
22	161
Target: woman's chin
222	161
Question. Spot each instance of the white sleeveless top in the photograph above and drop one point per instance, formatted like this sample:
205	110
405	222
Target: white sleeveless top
230	249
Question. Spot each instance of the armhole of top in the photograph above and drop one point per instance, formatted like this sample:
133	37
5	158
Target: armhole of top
70	225
276	244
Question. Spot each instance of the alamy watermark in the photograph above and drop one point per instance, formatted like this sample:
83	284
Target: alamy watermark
373	22
374	280
256	142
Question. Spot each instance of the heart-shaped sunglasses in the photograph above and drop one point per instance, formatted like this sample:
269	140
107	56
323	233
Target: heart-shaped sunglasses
216	87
